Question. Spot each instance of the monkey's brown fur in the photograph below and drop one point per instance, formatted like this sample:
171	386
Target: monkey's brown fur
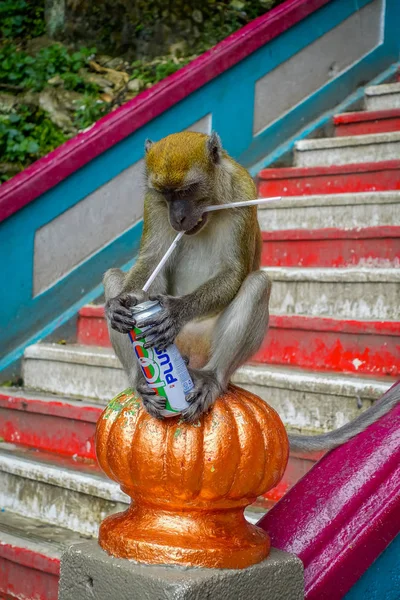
214	296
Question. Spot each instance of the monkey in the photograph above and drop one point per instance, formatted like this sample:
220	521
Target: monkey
213	294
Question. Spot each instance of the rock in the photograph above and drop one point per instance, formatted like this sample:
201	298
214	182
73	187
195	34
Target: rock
30	98
117	78
56	80
237	4
57	108
106	98
7	102
178	50
135	85
104	84
197	16
9	169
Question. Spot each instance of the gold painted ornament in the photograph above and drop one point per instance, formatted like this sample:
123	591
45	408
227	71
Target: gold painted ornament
189	484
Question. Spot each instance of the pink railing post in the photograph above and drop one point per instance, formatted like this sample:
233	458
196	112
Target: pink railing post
344	512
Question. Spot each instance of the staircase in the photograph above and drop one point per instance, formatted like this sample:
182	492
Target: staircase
331	246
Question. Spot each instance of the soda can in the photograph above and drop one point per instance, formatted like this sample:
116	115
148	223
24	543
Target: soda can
164	370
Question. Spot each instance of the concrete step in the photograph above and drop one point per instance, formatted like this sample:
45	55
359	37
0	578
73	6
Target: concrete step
352	293
73	370
365	122
370	347
42	422
336	179
312	401
332	247
58	490
338	211
382	97
30	553
48	423
337	393
345	150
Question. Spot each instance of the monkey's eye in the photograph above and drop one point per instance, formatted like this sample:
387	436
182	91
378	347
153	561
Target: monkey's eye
188	189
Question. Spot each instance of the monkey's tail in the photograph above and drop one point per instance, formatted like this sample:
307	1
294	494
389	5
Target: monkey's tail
328	441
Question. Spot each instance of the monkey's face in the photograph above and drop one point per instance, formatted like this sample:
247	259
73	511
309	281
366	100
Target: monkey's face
186	207
181	172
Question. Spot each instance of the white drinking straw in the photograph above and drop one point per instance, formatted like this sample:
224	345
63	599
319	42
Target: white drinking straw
182	233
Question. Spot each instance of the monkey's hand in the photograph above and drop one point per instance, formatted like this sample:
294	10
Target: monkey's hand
205	392
153	403
164	326
119	310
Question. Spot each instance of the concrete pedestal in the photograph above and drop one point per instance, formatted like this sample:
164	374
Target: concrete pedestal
88	573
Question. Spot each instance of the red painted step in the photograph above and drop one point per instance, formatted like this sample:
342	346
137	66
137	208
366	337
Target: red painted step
365	347
304	181
362	123
92	328
24	572
47	423
372	246
67	427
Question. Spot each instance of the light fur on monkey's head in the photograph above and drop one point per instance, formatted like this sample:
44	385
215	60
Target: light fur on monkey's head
170	161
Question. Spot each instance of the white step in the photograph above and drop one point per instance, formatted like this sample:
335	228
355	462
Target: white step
382	97
34	536
56	490
345	150
304	399
73	370
351	293
312	400
349	211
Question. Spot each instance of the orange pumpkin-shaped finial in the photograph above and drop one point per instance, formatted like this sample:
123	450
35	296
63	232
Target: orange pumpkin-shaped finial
190	483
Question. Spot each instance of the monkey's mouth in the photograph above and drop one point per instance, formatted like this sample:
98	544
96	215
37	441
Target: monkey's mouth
199	225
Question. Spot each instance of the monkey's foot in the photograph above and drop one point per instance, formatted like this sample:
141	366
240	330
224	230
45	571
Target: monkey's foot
205	392
153	403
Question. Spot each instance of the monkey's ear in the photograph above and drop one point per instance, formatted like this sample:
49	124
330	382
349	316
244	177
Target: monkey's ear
147	145
214	148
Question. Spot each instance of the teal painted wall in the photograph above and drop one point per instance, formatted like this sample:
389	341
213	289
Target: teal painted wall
382	580
230	98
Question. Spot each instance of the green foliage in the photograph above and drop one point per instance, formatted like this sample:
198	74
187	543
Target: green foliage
157	70
21	19
27	134
145	30
88	111
18	68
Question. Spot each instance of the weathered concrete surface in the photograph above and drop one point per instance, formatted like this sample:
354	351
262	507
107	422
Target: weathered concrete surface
307	400
59	491
351	293
311	401
87	572
345	150
35	536
83	371
382	97
349	211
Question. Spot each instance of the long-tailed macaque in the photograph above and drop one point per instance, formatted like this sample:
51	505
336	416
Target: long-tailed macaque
213	294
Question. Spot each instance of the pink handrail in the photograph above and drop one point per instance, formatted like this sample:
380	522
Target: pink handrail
344	512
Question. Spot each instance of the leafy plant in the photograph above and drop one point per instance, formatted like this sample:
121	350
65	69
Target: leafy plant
88	110
17	68
19	18
156	70
27	134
